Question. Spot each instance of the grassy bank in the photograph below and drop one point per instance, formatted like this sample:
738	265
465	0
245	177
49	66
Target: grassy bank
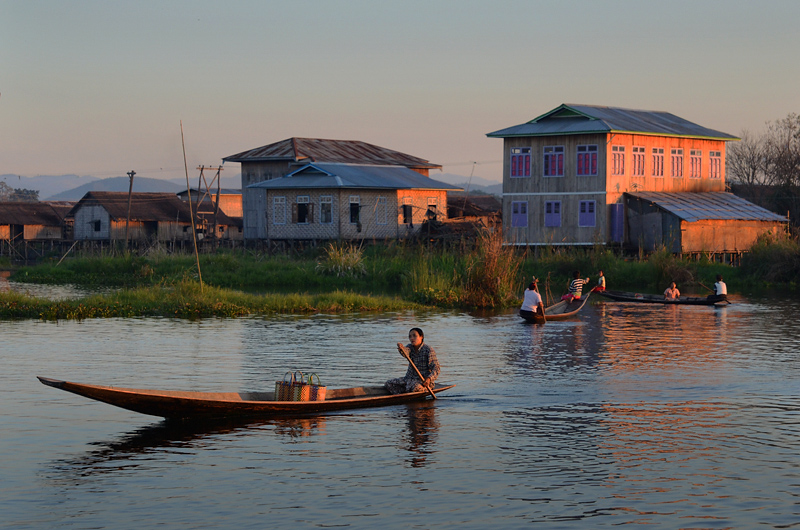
396	276
188	300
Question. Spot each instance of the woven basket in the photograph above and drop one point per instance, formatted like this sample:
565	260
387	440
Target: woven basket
289	390
316	392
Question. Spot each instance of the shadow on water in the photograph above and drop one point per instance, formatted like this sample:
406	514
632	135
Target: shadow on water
169	436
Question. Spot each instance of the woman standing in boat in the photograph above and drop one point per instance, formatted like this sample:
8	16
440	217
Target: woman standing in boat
424	358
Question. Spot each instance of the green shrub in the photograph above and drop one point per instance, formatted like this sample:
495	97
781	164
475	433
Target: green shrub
342	259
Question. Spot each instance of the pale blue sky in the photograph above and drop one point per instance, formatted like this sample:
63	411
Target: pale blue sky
100	87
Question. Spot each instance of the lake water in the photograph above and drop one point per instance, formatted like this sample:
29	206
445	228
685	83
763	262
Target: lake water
671	417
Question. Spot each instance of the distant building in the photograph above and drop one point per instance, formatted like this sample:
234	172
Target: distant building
349	201
570	174
103	215
31	221
308	188
230	200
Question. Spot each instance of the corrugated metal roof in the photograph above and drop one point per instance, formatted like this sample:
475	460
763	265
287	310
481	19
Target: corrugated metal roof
150	207
354	176
588	119
144	206
336	151
29	213
708	206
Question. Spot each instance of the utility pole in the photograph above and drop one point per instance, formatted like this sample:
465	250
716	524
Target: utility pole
128	219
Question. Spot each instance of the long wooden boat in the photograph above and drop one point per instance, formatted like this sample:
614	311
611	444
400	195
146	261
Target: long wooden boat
559	311
176	404
622	296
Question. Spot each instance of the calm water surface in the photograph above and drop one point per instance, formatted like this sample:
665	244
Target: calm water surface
671	417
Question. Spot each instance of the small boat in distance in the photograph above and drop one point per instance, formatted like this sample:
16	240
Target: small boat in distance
559	311
176	404
622	296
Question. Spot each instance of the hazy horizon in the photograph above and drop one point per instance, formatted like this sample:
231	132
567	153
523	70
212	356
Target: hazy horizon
97	88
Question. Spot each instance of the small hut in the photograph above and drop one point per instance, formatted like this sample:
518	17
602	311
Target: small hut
687	223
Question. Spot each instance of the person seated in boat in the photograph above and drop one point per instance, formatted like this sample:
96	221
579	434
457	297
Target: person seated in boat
532	301
575	287
601	283
720	291
672	292
424	358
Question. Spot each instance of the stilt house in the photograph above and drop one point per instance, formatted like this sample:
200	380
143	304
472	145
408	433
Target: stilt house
309	189
567	172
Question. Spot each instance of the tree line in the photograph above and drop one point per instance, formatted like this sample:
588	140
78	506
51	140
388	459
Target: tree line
765	168
9	194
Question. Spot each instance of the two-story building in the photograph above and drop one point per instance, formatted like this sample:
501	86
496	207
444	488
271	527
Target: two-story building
316	189
571	174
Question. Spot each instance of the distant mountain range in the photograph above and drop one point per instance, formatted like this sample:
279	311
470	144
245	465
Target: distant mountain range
476	184
74	187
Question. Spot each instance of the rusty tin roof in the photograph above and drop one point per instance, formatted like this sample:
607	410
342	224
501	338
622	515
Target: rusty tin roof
30	213
337	151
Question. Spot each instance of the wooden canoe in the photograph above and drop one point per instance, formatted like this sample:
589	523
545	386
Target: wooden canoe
559	311
622	296
176	404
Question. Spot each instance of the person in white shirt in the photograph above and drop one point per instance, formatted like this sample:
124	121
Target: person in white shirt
720	291
532	302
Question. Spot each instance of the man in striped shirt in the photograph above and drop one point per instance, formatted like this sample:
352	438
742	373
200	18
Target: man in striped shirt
575	287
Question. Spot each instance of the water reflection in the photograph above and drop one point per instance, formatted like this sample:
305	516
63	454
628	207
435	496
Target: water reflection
422	432
136	448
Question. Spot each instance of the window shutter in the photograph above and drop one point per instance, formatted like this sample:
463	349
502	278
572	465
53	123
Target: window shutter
310	212
294	213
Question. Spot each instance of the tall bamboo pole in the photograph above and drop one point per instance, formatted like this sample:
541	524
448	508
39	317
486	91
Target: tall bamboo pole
191	211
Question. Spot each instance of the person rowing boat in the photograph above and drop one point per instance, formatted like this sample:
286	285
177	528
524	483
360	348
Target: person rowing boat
423	367
532	302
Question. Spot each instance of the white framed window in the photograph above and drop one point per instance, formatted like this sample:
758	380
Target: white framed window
355	209
617	159
381	216
520	162
326	209
676	163
554	161
552	213
586	216
586	161
658	161
715	164
638	161
695	163
519	214
279	210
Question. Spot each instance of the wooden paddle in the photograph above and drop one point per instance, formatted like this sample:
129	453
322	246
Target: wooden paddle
404	353
707	287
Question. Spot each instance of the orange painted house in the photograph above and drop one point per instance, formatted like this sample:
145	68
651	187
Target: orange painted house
570	175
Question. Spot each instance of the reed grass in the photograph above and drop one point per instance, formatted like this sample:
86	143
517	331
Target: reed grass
775	258
394	276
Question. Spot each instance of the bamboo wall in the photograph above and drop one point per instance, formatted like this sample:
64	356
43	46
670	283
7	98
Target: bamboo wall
374	222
